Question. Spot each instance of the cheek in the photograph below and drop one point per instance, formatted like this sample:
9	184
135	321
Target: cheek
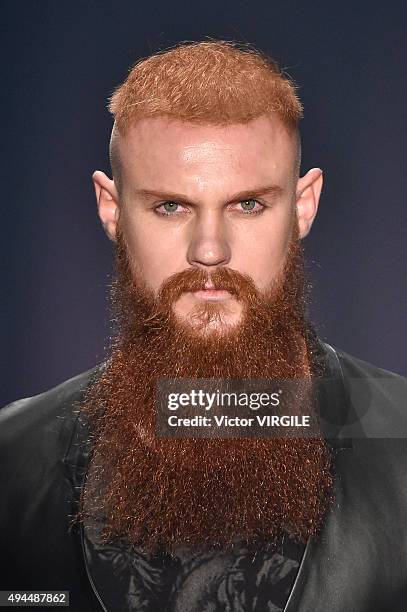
261	253
154	255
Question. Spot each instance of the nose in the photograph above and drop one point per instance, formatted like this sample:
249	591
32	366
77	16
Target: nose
209	244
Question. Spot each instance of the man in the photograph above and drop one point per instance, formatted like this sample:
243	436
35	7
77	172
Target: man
206	210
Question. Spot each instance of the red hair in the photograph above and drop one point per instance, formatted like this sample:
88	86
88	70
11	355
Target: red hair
215	82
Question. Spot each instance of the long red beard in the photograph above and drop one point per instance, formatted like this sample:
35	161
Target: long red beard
202	492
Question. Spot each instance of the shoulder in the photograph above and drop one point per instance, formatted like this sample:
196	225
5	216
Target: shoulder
44	420
376	404
373	468
357	368
372	389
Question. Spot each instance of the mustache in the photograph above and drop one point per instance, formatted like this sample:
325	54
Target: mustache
223	278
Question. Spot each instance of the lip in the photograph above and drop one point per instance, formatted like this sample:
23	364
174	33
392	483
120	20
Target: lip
212	294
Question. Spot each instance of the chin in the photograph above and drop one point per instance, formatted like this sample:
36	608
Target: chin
210	321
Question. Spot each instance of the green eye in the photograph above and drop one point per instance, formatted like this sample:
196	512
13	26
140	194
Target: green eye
170	207
248	205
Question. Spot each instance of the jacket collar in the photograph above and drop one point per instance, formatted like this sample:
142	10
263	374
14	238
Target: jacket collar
334	406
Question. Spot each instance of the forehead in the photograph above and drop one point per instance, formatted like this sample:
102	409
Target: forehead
167	151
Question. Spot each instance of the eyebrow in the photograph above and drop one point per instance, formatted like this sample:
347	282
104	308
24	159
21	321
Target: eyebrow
271	190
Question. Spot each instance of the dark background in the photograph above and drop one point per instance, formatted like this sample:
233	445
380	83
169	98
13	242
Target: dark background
61	60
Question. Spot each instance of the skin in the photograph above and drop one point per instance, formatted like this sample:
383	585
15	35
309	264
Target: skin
235	194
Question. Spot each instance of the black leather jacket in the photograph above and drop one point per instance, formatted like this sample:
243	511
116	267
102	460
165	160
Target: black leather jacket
357	564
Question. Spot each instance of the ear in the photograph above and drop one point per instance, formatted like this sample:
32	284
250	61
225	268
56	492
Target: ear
107	201
307	198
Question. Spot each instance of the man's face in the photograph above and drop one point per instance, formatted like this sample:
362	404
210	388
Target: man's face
223	201
204	197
